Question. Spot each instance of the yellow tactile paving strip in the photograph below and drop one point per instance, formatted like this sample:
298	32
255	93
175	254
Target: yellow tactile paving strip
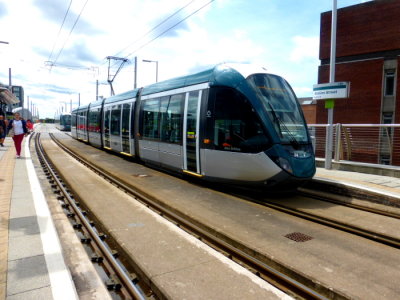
7	164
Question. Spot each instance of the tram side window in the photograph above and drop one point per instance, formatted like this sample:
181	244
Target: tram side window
82	123
151	118
98	121
94	126
236	126
171	119
115	119
126	109
73	120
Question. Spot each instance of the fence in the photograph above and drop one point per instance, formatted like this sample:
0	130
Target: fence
368	143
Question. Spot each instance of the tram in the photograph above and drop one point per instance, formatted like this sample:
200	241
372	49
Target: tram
63	122
233	123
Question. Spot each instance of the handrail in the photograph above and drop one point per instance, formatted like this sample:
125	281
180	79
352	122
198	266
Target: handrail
366	143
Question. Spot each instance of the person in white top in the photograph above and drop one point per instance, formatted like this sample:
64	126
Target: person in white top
19	129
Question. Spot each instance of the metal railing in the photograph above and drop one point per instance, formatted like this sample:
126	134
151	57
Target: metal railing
366	143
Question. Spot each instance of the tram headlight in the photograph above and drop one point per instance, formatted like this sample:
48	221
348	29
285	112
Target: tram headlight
285	164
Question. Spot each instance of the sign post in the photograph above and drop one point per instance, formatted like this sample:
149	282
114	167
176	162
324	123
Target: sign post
329	92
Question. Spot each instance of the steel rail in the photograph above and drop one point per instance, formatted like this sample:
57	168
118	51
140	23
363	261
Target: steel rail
107	254
274	276
375	236
324	196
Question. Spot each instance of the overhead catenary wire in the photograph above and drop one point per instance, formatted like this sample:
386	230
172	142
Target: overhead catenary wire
59	31
165	31
76	21
154	28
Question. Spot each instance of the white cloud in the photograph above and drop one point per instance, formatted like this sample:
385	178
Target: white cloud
302	91
305	48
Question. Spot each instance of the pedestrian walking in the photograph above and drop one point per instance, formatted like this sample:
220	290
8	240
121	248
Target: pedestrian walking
29	124
17	130
3	130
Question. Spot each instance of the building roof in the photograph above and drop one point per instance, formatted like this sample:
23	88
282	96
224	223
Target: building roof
307	101
7	97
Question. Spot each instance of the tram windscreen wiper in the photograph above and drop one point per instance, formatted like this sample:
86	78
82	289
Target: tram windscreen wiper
281	124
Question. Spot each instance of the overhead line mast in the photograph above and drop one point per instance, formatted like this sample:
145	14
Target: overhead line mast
110	77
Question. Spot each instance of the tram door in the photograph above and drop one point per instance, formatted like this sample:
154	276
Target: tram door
125	126
107	111
115	128
82	126
191	154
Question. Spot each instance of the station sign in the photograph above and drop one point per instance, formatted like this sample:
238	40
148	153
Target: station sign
334	90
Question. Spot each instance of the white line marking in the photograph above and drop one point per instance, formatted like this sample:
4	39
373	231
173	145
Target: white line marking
62	286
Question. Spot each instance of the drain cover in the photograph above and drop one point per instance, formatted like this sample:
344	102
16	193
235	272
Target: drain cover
298	237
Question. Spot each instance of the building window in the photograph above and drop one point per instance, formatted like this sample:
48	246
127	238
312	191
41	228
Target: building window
387	118
389	82
384	159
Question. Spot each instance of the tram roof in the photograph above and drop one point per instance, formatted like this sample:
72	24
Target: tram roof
82	107
222	74
178	82
123	96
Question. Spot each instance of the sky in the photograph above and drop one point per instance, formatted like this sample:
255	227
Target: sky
57	49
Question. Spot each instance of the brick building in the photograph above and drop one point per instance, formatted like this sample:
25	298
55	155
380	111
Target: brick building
367	55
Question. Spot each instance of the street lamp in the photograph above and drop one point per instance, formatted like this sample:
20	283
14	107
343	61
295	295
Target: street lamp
2	42
150	61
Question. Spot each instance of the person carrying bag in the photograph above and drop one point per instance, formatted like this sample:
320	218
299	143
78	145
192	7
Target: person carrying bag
17	130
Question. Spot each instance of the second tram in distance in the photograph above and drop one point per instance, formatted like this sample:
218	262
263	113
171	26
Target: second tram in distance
63	122
233	123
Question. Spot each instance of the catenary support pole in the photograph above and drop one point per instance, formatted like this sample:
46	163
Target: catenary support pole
329	129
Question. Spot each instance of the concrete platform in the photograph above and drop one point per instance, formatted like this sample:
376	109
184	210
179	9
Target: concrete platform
382	185
339	260
31	261
40	254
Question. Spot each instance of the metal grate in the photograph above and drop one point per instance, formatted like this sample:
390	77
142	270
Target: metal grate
298	237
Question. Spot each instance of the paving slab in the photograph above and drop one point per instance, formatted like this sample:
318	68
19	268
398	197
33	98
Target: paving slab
22	226
40	293
24	246
27	274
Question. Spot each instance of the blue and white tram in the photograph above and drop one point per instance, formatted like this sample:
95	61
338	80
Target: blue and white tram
233	123
63	122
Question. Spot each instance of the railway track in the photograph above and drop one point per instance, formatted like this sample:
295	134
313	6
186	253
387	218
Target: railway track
246	257
301	287
119	279
327	220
